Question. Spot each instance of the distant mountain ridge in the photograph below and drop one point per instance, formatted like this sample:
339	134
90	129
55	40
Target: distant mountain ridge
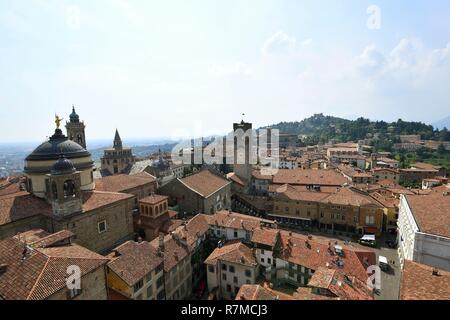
444	123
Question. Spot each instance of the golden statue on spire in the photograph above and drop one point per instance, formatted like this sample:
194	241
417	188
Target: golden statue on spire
58	121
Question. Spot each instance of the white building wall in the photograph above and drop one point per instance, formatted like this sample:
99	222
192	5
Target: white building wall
263	258
417	246
432	250
407	229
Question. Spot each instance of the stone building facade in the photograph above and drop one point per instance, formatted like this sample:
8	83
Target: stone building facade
118	159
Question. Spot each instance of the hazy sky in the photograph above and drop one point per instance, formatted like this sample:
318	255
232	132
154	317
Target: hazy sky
170	68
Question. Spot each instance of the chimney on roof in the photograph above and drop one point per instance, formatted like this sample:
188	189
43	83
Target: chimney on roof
161	242
3	268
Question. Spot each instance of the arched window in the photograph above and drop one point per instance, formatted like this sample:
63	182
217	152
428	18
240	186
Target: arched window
160	208
69	188
79	139
156	210
54	190
150	210
146	210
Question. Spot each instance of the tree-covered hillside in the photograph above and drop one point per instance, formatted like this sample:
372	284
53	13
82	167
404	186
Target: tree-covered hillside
321	129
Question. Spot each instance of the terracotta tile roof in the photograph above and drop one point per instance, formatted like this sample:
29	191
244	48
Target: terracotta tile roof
298	194
32	235
174	251
96	199
226	219
419	283
205	183
385	169
171	225
52	239
350	196
338	284
274	188
314	253
257	292
153	199
10	188
44	270
134	260
193	229
309	177
123	182
431	212
24	205
265	236
387	202
257	175
235	178
234	252
21	205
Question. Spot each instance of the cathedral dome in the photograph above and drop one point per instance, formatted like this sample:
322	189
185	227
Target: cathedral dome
57	144
62	166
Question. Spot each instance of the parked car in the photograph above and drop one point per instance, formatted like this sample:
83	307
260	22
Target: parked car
383	263
391	243
368	240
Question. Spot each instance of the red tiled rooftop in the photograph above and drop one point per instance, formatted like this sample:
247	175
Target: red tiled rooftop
123	182
205	183
419	283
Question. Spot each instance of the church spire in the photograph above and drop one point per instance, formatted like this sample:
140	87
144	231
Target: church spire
117	140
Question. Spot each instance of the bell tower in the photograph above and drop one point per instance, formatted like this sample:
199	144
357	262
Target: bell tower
63	186
242	150
76	129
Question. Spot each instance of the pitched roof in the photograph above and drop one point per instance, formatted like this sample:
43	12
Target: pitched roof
419	283
265	236
257	292
341	286
153	199
431	212
226	219
234	252
174	251
235	178
315	253
134	261
205	183
44	270
298	194
349	196
123	182
309	177
193	229
23	205
96	199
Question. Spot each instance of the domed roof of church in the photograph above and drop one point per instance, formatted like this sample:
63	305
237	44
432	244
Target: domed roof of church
57	144
74	117
62	166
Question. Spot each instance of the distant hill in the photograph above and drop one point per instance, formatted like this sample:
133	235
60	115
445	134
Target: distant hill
444	123
321	129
